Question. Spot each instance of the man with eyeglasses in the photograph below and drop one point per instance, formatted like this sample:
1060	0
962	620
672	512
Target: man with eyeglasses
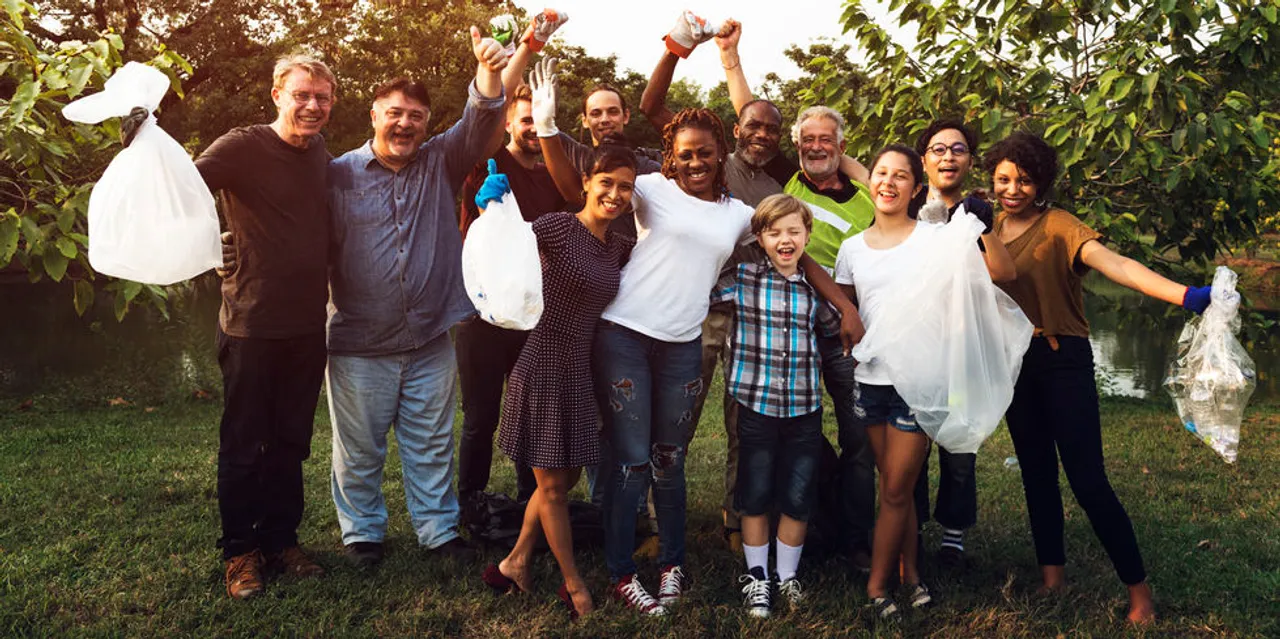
396	282
947	148
270	179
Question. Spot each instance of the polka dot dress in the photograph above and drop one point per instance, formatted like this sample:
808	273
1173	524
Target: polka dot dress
549	414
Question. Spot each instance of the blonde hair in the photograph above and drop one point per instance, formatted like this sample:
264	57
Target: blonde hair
777	206
306	62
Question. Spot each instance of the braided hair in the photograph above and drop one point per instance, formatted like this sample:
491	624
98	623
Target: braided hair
706	120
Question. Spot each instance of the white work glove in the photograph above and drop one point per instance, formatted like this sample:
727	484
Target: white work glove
503	29
542	83
543	26
690	31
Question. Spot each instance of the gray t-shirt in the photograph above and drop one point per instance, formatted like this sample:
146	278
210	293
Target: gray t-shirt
751	184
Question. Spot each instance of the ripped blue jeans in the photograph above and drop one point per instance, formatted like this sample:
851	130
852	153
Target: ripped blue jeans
647	389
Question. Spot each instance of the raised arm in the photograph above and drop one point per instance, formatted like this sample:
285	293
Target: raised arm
727	40
542	83
512	74
690	31
491	58
851	328
653	103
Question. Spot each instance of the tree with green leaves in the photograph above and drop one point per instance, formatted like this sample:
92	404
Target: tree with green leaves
1164	112
48	164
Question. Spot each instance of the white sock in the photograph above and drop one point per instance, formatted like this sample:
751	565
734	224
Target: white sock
788	560
757	557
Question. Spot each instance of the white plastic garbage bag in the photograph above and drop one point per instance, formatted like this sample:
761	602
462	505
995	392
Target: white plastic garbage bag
151	217
952	342
1212	377
501	268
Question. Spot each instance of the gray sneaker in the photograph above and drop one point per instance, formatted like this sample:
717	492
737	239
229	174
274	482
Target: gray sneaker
792	592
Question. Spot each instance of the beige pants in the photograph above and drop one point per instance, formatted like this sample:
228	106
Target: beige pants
715	349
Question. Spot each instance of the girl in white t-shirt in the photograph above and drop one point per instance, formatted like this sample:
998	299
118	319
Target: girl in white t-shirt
866	266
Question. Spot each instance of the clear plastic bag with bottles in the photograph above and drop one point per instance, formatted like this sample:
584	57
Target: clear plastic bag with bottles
1212	377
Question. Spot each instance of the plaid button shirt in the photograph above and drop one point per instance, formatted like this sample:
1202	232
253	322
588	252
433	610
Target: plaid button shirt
774	362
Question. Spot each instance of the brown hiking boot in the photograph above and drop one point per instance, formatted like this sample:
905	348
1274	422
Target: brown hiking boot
244	575
292	561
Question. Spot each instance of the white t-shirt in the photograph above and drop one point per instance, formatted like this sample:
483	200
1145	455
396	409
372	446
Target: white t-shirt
872	273
681	244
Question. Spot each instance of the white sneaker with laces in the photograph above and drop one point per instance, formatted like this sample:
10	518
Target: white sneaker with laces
672	585
756	595
633	595
792	593
920	596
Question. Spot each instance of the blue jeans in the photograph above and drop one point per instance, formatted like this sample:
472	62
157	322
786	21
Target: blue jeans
778	460
857	460
649	388
415	392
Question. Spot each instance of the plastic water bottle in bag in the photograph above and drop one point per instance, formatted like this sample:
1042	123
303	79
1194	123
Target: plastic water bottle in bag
501	268
1212	377
151	217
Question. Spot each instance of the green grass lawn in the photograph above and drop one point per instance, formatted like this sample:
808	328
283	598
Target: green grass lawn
108	518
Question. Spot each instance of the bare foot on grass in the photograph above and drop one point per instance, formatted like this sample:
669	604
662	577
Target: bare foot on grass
1142	608
1054	580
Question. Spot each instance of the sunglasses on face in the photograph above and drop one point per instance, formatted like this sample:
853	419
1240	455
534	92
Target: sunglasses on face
958	149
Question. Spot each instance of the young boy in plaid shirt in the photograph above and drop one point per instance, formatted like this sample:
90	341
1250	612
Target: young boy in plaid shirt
774	375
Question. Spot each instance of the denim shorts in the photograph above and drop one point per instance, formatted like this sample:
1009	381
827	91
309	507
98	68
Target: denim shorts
874	405
778	460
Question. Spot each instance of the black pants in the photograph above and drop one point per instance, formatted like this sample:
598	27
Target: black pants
270	388
486	354
1054	415
857	459
957	501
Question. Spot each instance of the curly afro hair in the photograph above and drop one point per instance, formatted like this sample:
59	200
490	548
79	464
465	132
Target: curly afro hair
706	120
1032	155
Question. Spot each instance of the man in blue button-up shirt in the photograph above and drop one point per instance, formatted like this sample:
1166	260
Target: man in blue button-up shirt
396	289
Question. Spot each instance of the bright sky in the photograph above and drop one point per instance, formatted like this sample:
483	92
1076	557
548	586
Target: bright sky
633	31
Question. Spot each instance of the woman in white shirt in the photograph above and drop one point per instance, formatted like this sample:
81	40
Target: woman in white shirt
648	349
866	266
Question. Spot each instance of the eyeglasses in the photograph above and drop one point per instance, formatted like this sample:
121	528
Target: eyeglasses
302	97
958	149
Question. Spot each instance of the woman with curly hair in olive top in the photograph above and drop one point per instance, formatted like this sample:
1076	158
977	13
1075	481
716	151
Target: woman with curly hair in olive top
1054	413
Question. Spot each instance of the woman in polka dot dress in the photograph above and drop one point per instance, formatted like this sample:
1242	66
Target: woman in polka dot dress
549	413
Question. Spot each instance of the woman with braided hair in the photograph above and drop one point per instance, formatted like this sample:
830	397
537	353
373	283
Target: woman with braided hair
647	357
648	348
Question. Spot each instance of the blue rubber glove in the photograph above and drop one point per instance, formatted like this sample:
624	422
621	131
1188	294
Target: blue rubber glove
494	187
1196	298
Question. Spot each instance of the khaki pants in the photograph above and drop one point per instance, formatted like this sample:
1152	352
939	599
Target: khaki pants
715	349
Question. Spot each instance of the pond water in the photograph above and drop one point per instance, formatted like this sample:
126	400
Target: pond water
47	351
